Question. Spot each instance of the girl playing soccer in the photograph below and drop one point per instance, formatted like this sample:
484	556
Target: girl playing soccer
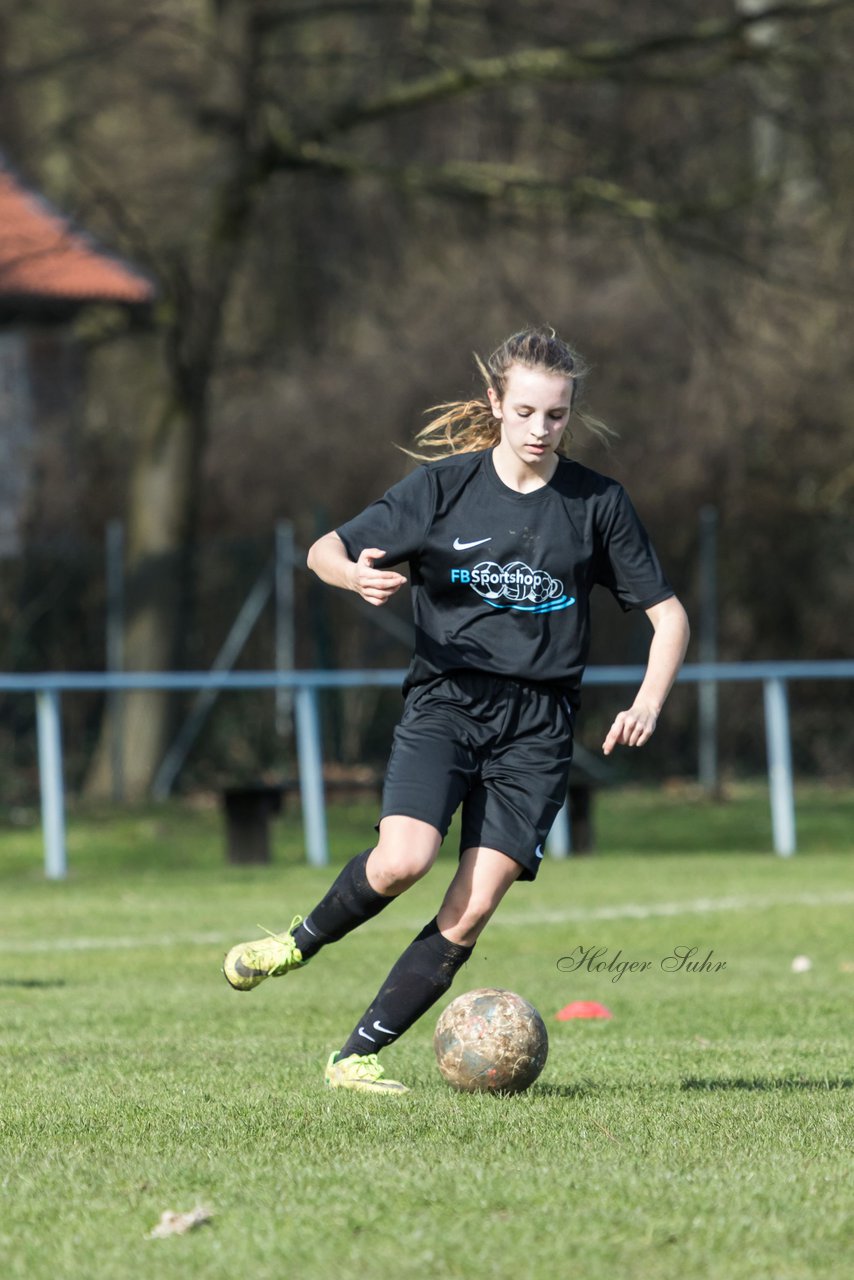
505	537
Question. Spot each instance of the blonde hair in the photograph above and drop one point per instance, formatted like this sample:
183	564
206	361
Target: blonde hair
465	426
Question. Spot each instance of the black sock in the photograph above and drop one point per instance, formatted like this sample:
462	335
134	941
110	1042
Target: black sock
349	902
421	975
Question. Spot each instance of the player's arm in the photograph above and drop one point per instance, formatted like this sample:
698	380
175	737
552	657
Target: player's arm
636	726
328	558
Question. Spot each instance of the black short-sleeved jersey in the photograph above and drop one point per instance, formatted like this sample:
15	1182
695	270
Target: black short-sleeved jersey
501	580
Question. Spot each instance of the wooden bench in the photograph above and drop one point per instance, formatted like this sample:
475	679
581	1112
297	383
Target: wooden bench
586	775
248	809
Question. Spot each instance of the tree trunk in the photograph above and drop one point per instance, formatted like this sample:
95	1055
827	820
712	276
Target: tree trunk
162	510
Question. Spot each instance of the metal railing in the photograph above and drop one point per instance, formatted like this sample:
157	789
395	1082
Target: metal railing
48	688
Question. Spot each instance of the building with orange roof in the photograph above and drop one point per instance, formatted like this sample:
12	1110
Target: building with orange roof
45	261
49	271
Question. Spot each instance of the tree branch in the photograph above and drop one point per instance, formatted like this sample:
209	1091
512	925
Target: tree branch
478	181
276	16
597	60
82	53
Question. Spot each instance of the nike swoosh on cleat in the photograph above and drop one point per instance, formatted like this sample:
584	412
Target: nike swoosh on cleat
464	546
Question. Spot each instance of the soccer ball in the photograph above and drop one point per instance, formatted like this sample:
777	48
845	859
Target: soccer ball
490	1041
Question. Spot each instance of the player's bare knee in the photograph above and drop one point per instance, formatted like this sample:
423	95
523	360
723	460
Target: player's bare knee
392	870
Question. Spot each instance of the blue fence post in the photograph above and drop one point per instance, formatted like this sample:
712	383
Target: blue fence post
779	745
48	687
559	842
310	758
51	785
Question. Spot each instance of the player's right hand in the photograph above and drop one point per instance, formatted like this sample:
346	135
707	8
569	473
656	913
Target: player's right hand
374	585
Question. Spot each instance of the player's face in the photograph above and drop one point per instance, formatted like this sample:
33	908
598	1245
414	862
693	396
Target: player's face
533	415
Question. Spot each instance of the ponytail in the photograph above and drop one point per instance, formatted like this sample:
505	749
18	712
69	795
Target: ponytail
467	426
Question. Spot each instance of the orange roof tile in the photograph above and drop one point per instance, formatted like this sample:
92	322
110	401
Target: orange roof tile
41	256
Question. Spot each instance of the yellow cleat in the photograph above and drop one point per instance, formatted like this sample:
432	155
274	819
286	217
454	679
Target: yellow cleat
249	963
362	1073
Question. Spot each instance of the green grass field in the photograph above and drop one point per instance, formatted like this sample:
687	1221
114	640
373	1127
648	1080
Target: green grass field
706	1130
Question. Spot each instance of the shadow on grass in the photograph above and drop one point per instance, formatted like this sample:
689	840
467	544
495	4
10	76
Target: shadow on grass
583	1090
32	982
767	1084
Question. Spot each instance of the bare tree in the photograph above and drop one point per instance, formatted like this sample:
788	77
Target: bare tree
219	105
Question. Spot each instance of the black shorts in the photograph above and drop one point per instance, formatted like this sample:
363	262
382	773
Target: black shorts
500	747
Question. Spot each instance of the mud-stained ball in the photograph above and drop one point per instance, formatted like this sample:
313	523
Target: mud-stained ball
490	1041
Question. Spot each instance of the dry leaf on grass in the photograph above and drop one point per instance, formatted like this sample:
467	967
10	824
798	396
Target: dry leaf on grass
178	1224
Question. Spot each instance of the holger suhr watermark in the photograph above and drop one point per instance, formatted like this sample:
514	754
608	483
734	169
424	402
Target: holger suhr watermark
682	959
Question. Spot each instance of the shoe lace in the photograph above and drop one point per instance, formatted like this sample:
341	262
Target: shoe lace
258	953
367	1067
285	933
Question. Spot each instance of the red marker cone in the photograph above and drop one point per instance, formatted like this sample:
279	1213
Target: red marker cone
583	1009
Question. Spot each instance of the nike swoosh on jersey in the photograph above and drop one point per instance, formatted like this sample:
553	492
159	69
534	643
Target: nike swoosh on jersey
464	546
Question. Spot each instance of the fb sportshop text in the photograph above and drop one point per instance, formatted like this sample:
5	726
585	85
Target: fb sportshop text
680	960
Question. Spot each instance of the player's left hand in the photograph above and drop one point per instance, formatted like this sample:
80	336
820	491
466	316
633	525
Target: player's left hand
631	728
